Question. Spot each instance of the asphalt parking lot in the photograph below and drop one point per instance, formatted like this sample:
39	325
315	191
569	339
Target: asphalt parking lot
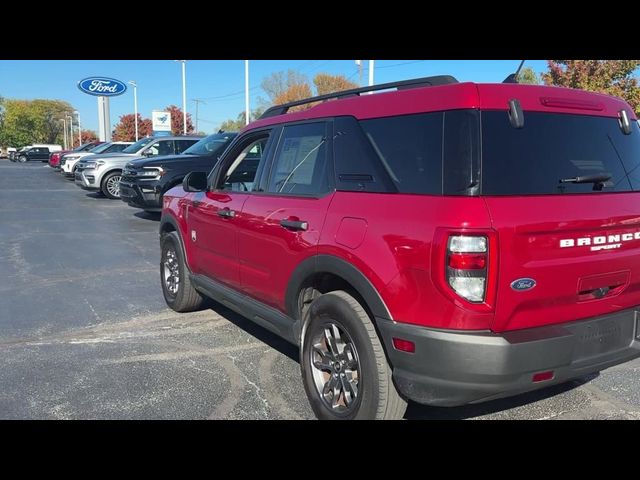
85	333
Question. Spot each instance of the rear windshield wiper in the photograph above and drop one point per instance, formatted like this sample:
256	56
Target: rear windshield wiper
598	180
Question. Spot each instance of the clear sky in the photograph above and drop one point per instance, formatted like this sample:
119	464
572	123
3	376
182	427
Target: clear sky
219	82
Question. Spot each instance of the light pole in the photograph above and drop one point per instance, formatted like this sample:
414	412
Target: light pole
197	101
64	131
246	92
70	130
371	65
135	104
184	94
79	128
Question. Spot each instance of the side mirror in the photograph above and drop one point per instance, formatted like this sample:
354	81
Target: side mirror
147	153
195	182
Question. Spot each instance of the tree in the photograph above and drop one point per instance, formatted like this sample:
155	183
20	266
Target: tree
278	83
529	76
89	136
299	91
47	115
18	125
326	83
125	129
234	125
33	121
238	124
613	77
177	121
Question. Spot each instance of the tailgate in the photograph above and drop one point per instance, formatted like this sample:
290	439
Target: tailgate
582	252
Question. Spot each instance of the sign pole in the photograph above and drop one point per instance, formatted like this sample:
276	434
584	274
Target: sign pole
103	88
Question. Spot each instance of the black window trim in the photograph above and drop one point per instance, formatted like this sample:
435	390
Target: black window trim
232	151
329	172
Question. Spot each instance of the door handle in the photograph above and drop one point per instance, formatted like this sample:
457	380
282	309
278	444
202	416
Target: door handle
294	224
226	213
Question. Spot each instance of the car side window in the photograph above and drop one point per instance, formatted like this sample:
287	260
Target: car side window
300	163
239	173
162	147
182	145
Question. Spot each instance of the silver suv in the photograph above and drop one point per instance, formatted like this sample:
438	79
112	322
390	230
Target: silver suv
102	172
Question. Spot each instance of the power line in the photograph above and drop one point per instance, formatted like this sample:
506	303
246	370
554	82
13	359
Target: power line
401	63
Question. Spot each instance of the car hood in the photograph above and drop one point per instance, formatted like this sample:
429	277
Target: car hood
111	157
163	160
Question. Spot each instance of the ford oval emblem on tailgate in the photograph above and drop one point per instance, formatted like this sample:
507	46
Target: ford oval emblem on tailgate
523	284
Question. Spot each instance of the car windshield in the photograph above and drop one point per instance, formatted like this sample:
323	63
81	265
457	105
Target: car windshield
211	145
84	147
138	145
100	148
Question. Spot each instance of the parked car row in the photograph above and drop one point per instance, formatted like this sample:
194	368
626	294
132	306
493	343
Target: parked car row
54	158
440	242
34	152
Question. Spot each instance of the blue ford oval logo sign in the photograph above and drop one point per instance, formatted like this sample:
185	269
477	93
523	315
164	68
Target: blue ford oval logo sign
523	284
102	86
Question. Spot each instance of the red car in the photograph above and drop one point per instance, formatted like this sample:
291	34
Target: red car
446	243
54	158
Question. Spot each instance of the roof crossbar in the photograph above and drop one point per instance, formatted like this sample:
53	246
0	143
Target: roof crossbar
401	85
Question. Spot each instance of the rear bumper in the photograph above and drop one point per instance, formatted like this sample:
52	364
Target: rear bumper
147	196
451	368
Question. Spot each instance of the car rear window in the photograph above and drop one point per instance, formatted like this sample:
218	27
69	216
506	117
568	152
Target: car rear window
551	147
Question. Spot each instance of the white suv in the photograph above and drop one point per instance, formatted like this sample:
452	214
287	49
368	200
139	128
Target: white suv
69	160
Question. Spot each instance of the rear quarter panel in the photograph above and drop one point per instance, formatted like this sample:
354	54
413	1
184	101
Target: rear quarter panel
394	252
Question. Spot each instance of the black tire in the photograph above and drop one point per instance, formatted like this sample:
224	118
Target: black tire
377	397
186	298
22	159
105	186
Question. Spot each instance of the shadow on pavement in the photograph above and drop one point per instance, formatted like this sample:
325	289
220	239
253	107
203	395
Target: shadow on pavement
414	411
154	216
95	195
261	334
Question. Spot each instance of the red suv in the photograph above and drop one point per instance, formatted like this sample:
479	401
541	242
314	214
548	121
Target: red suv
446	243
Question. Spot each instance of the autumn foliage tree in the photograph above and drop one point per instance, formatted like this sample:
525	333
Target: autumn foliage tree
88	136
125	129
297	91
290	86
613	77
326	83
177	121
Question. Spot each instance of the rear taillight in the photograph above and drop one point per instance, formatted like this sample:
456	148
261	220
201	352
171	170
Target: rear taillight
467	266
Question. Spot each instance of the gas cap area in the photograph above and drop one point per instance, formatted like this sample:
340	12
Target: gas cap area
351	232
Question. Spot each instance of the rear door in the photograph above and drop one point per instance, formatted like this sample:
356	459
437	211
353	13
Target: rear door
567	250
42	153
281	222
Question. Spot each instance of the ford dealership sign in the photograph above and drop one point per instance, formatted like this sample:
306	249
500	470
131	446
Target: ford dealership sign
102	86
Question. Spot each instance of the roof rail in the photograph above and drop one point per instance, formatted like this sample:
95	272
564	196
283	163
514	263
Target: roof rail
401	85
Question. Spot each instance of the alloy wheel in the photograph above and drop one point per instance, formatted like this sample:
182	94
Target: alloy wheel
171	272
335	368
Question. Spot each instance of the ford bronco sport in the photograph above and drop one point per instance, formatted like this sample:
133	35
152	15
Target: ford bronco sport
446	242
